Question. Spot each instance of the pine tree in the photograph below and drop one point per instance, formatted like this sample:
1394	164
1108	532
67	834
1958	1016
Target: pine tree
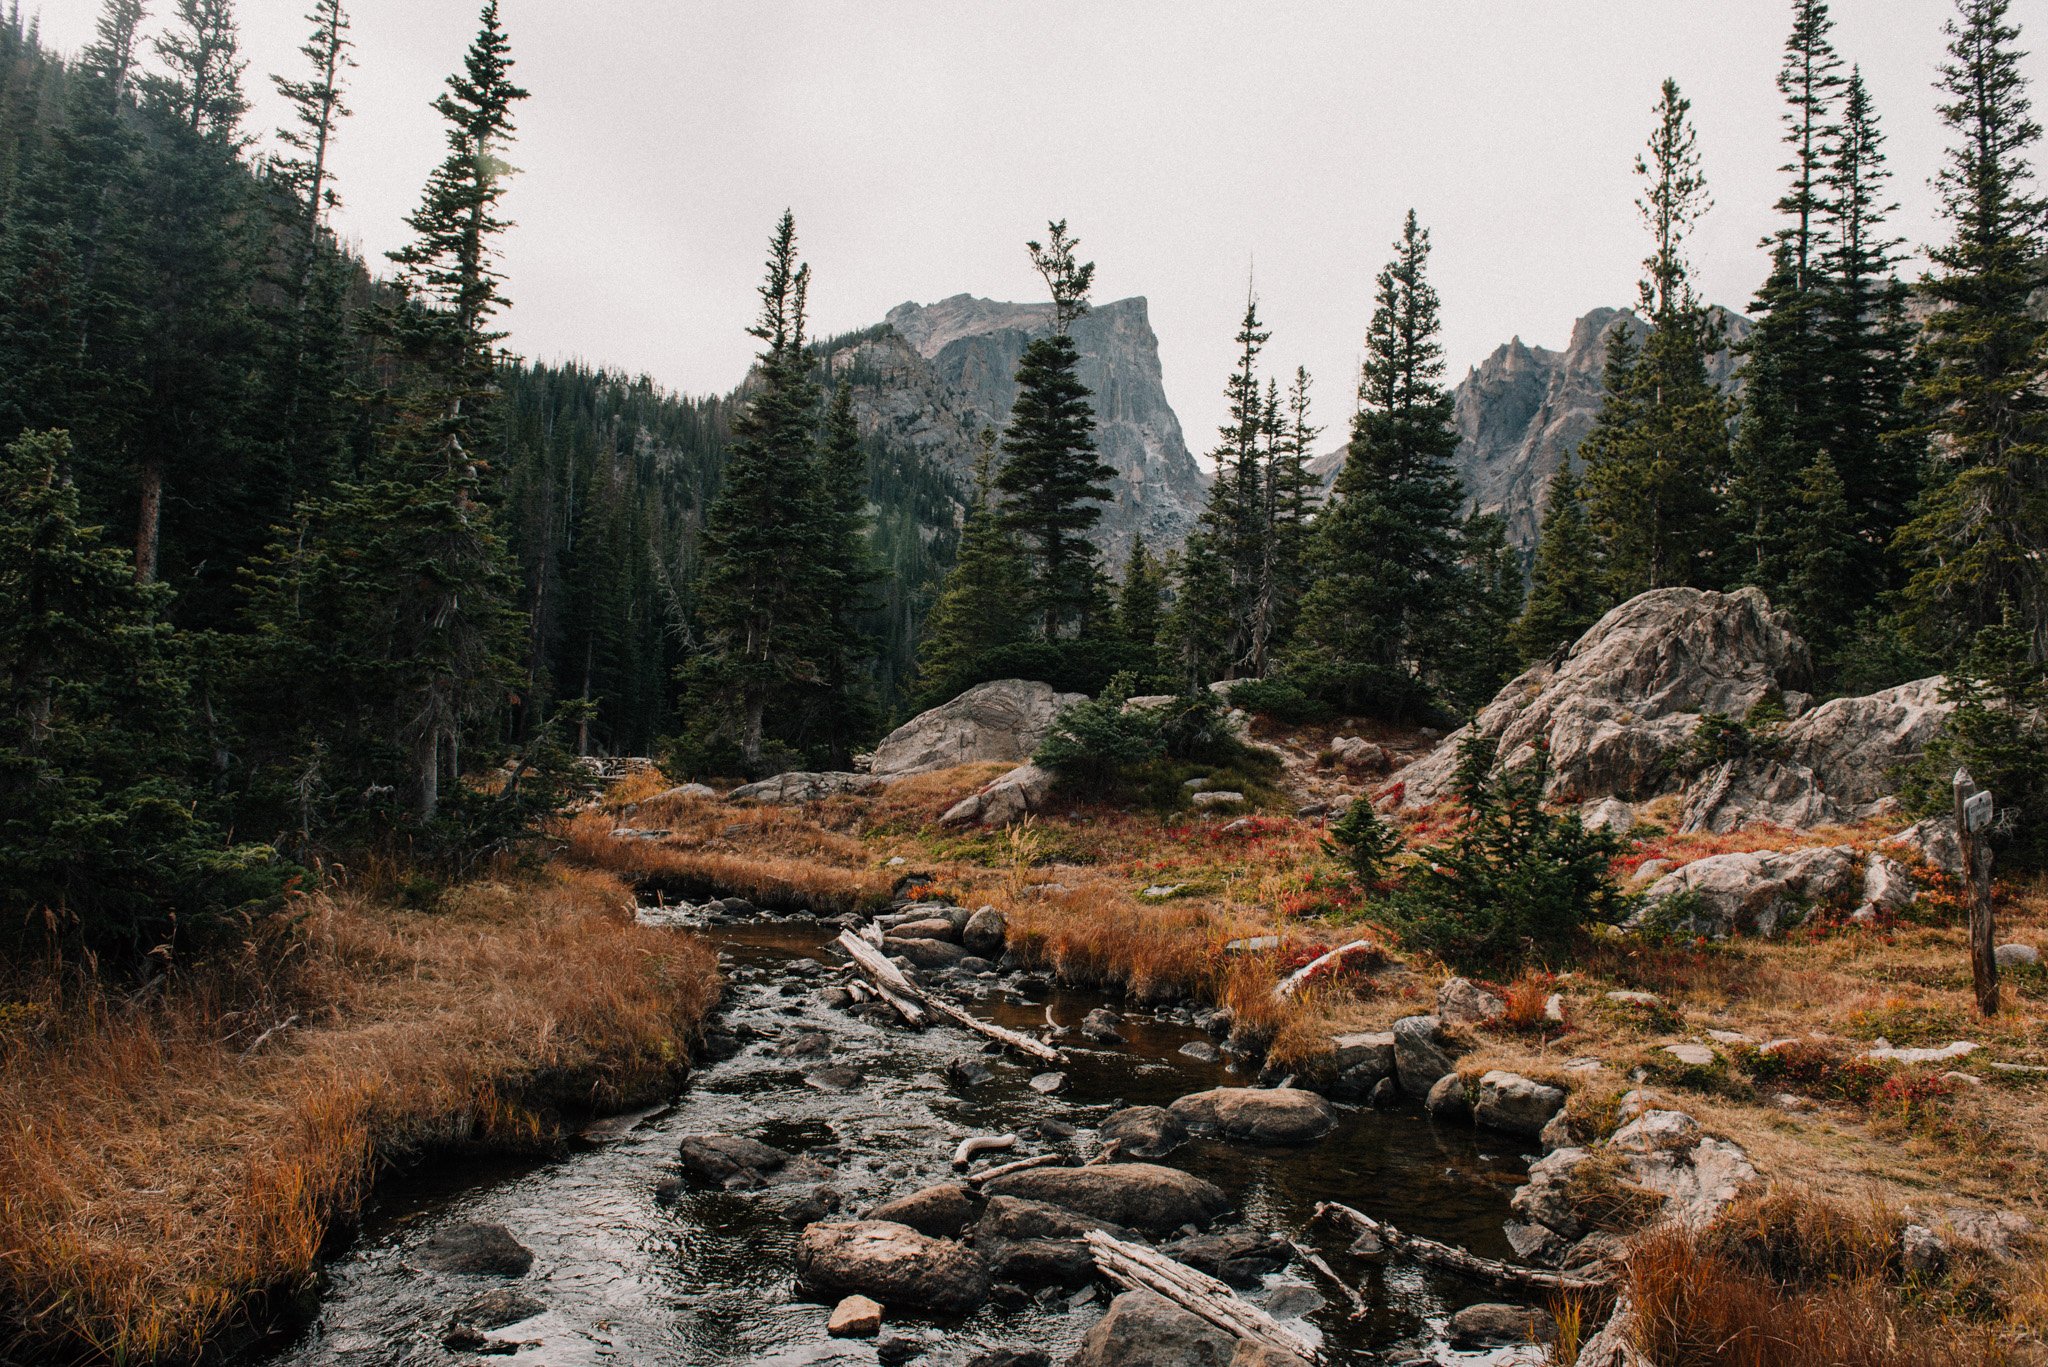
1140	603
1656	459
976	613
1979	545
1566	586
1470	642
1053	482
756	596
1386	551
1291	490
847	712
1786	419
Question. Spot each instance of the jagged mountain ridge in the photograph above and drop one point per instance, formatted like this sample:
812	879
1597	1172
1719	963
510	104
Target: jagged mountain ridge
930	377
1524	410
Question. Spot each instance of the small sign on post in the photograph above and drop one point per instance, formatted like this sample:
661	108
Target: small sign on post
1973	819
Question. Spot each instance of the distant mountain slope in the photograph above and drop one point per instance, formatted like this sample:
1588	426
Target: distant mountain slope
931	376
1524	410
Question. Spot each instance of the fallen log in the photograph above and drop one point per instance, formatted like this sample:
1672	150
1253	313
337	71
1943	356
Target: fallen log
1310	1258
1325	965
1614	1345
1044	1160
981	1143
1453	1259
1141	1269
891	983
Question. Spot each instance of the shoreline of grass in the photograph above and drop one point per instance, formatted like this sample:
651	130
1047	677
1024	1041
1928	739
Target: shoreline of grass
172	1170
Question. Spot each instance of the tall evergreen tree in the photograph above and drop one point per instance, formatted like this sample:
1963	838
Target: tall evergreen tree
1386	549
847	712
1470	643
1656	460
757	600
1980	542
1052	480
1567	591
1291	490
1140	603
976	613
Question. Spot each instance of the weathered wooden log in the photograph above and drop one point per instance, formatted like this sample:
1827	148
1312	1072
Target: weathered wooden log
1489	1270
1323	964
1141	1269
1614	1345
900	991
1044	1160
981	1143
1313	1259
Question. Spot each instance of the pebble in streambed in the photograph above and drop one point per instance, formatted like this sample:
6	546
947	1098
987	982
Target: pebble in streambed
638	1259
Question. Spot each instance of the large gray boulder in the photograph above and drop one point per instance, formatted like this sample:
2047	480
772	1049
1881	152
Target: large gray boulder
786	790
1515	1104
1257	1115
1009	799
890	1263
1659	1153
1759	891
1422	1054
1628	694
1144	1131
1151	1199
1006	719
940	1211
1144	1330
1837	763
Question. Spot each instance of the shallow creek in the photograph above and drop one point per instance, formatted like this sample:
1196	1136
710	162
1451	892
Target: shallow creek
630	1277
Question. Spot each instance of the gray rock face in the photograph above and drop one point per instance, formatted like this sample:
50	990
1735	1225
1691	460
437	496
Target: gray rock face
1836	763
1516	1105
1144	1330
1143	1196
935	375
1011	798
1005	719
890	1263
1144	1131
1522	412
1422	1053
1258	1115
1628	694
1756	891
1933	840
785	790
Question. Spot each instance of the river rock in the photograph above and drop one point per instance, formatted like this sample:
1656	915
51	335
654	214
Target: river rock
1009	1357
1460	1001
928	928
1360	1062
1446	1099
498	1307
1017	1217
1628	694
892	1263
1145	1330
786	790
986	932
730	1160
836	1078
1151	1199
1516	1105
1422	1053
856	1317
942	1212
1500	1326
1101	1025
1250	1354
1144	1131
926	953
475	1249
1760	890
1031	1243
1007	719
1239	1257
1258	1115
1048	1084
1023	791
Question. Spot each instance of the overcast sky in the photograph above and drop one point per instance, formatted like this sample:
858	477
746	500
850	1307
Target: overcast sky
1186	143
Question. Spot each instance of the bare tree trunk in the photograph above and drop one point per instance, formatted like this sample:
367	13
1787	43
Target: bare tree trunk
149	521
426	759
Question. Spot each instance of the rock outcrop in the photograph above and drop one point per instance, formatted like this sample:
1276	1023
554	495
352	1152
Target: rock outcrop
1005	719
1759	891
787	790
1658	1153
1010	798
1629	694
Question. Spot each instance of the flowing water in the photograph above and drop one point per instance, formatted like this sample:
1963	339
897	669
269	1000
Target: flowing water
631	1276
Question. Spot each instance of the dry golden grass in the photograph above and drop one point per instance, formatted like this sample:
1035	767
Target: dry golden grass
167	1164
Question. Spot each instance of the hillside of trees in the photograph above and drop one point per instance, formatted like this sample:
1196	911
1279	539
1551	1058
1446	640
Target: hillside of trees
312	567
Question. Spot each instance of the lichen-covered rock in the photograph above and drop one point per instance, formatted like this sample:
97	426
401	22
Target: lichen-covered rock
890	1263
1151	1199
1933	840
1629	694
785	790
1006	719
1515	1104
1460	1001
1258	1115
1010	798
1760	890
1144	1330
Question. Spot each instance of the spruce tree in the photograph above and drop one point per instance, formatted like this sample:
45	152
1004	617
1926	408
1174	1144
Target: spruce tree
1141	600
847	712
1386	550
1470	642
1657	457
1291	491
1567	591
1053	482
1979	545
976	613
757	599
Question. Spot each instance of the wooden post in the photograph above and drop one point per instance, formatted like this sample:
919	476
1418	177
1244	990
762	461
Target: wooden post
1973	818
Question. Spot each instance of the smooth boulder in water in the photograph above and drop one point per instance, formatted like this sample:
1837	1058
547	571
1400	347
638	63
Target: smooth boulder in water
1258	1115
1144	1131
476	1249
940	1211
1151	1199
891	1263
1146	1330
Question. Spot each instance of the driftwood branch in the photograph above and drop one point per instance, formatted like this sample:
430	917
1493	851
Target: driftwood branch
1330	962
1044	1160
1141	1269
901	992
981	1143
1313	1259
1489	1270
